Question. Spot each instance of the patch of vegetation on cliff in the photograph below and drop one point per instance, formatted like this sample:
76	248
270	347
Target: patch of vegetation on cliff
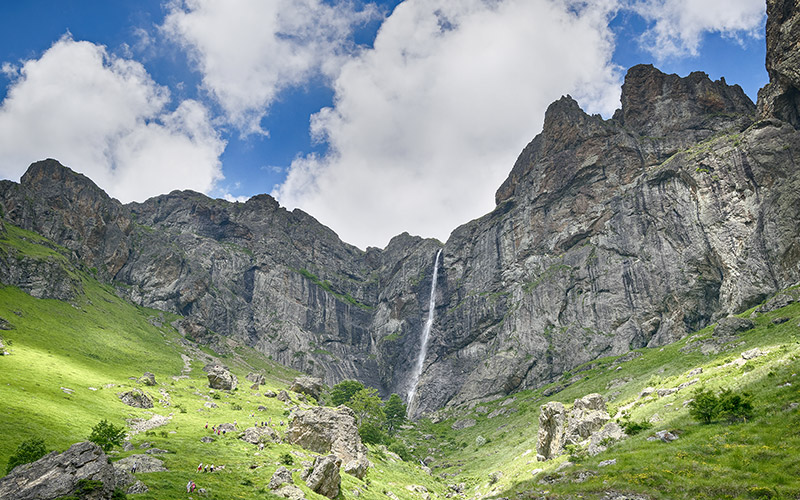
328	287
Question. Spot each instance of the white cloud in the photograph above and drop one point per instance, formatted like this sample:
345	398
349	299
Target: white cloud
250	50
679	25
427	125
104	116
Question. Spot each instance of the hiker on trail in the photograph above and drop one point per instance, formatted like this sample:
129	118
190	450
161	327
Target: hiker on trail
235	423
194	486
189	487
206	425
200	467
133	468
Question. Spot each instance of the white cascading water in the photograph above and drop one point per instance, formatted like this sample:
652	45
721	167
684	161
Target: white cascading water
426	332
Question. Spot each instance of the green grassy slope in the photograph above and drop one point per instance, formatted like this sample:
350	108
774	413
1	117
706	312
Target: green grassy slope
69	361
756	459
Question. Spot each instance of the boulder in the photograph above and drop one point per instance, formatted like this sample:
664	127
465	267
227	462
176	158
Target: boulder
56	475
329	430
148	379
588	415
753	354
135	398
255	435
270	394
325	478
464	423
254	386
284	397
144	463
311	386
282	485
256	378
599	441
731	326
220	378
358	468
126	481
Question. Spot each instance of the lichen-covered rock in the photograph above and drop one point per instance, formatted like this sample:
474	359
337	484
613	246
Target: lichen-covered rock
552	418
325	478
256	435
144	463
324	429
600	440
730	326
463	423
222	379
135	398
587	416
148	379
284	397
282	485
311	386
56	475
256	378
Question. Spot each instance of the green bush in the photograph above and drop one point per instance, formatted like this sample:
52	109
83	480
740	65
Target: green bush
107	435
287	459
729	405
372	434
27	452
401	450
632	427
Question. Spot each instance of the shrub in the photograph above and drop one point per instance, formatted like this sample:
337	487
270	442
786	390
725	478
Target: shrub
401	450
107	435
27	452
372	433
732	406
735	407
287	459
632	427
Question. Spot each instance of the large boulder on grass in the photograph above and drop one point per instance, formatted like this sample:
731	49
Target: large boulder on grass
330	430
222	379
310	386
136	399
58	475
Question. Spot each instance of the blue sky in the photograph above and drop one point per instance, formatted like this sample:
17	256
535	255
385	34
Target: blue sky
375	117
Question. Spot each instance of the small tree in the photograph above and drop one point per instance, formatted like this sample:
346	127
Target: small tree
395	411
703	407
106	435
368	407
342	392
28	451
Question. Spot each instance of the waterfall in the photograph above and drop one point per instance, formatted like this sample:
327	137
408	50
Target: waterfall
426	332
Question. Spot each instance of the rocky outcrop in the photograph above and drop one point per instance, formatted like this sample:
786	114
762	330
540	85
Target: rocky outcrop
585	424
552	417
222	379
325	478
731	326
311	386
135	398
324	429
56	475
780	98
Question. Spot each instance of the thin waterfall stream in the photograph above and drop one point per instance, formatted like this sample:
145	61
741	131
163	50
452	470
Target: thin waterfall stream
426	332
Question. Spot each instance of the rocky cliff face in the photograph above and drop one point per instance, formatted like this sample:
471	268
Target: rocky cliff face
608	235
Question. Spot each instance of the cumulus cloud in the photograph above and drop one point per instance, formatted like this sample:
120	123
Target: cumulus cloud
678	26
250	50
104	116
426	125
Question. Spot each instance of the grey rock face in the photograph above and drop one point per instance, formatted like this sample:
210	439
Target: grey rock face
135	398
586	423
324	429
256	378
56	475
144	463
780	98
325	478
